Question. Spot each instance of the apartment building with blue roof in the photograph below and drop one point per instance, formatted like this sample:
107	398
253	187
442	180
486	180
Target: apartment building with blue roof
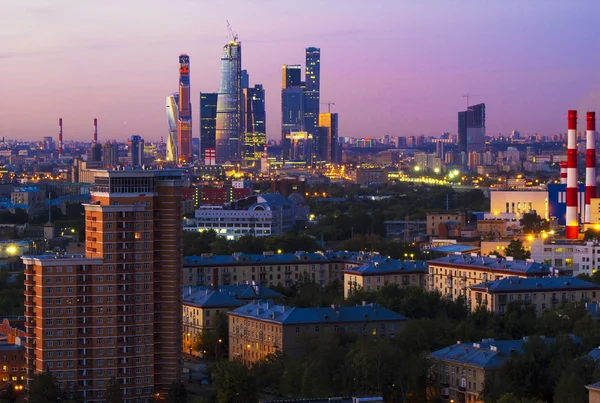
376	273
541	293
452	275
261	328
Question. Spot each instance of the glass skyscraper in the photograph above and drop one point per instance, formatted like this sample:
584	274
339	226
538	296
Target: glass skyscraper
208	124
291	75
229	104
255	125
471	129
172	120
292	116
312	92
328	137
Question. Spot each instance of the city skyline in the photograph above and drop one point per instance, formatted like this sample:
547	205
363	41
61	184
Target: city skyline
416	61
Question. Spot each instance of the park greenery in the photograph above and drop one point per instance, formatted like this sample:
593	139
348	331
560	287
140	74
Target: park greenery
341	364
12	298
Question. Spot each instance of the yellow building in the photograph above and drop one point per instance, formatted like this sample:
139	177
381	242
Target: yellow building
452	275
373	275
492	229
262	328
519	202
541	293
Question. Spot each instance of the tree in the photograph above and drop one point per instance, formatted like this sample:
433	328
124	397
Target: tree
233	382
531	222
516	249
177	393
44	389
9	394
113	392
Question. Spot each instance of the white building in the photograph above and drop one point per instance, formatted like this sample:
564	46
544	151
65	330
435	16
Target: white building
264	215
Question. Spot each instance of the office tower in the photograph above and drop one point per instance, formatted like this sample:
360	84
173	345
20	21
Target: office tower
328	141
312	77
184	132
115	312
291	76
471	129
244	79
109	155
229	104
136	151
401	142
292	116
208	127
255	136
173	122
96	148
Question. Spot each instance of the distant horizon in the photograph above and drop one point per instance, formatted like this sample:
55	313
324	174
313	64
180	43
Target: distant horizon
392	68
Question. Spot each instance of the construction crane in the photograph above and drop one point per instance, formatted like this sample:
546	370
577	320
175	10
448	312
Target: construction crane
469	96
232	33
328	105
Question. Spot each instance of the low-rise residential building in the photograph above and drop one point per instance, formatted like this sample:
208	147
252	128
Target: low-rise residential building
435	219
558	254
461	370
12	364
202	306
594	390
262	328
492	228
542	293
373	275
268	269
452	275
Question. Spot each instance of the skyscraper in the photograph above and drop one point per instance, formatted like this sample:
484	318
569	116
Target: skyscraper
292	116
471	129
255	136
229	104
115	312
136	151
244	79
173	122
109	154
312	92
328	137
208	126
184	132
291	75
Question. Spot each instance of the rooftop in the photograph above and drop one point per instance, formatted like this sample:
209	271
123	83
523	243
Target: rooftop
516	284
207	298
268	311
388	266
238	291
488	353
240	258
474	261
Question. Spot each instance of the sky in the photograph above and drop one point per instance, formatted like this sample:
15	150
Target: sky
397	67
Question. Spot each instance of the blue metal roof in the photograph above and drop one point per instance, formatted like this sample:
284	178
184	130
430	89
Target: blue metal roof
595	354
268	311
389	266
595	386
518	284
238	291
522	267
489	353
207	299
453	248
240	258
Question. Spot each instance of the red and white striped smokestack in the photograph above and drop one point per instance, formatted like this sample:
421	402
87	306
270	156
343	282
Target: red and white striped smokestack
60	138
95	130
572	220
563	173
590	164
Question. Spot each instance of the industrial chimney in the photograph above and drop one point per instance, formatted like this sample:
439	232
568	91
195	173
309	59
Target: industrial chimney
571	217
590	164
60	138
563	172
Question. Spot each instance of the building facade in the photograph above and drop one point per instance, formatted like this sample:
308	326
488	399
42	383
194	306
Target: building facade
255	129
115	312
184	127
471	129
377	273
327	150
172	154
312	97
453	275
262	328
435	219
519	202
541	293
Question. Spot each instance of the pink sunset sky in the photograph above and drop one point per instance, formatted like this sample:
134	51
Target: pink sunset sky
397	67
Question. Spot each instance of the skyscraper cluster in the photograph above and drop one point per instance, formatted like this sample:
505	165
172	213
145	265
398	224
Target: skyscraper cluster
306	134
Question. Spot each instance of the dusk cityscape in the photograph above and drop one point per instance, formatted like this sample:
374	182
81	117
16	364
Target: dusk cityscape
325	202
